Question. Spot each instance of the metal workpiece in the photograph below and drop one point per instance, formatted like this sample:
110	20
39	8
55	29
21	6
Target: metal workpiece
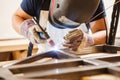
56	54
67	69
64	65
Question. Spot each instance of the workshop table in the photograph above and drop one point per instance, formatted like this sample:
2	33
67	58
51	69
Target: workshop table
16	47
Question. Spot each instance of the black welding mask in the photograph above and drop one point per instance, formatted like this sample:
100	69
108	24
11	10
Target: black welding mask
71	13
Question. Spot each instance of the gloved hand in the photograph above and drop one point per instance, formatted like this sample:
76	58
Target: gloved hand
76	38
31	31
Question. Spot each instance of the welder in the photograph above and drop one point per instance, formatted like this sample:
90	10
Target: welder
62	20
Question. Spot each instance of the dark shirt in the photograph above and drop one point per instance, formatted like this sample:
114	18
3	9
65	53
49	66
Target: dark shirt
33	7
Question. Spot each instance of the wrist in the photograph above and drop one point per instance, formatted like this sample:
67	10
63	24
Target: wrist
89	40
25	26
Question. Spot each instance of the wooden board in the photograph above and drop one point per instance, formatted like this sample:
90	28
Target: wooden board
13	45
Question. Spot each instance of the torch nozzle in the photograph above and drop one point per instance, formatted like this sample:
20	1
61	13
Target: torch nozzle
51	42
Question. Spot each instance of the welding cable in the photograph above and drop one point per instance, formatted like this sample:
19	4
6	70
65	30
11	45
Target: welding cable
30	48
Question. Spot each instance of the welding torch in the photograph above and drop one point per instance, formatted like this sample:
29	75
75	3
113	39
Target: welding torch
50	41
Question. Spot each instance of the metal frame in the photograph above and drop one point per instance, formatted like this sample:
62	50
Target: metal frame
63	69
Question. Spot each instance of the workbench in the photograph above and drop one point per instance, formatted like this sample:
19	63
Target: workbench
16	47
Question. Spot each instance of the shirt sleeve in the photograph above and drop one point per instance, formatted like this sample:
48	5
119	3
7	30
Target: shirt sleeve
29	7
98	11
33	7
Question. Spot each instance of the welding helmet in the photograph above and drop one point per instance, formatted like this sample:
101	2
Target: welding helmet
71	13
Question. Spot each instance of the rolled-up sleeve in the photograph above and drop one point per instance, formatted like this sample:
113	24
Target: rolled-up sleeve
29	7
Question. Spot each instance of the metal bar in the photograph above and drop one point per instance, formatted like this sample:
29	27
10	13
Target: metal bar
25	68
114	24
111	49
67	72
53	54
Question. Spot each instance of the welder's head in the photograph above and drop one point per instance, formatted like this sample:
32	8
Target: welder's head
71	13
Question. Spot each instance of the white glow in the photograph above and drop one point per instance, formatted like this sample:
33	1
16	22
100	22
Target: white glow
57	71
57	47
56	61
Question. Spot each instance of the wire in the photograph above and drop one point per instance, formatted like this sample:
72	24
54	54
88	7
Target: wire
103	11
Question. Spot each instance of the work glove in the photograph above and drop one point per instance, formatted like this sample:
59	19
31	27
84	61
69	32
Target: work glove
32	32
77	39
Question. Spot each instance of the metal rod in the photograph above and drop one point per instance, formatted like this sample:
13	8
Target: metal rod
114	23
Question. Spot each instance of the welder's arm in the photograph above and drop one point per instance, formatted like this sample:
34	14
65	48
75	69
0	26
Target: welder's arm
18	18
99	31
24	25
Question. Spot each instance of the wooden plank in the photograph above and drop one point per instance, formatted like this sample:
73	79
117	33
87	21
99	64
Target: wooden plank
2	63
12	45
5	56
100	77
18	55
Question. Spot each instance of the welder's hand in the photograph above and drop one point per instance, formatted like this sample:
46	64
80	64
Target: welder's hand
31	31
76	38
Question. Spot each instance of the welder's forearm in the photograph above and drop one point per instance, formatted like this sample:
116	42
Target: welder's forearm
99	37
16	22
